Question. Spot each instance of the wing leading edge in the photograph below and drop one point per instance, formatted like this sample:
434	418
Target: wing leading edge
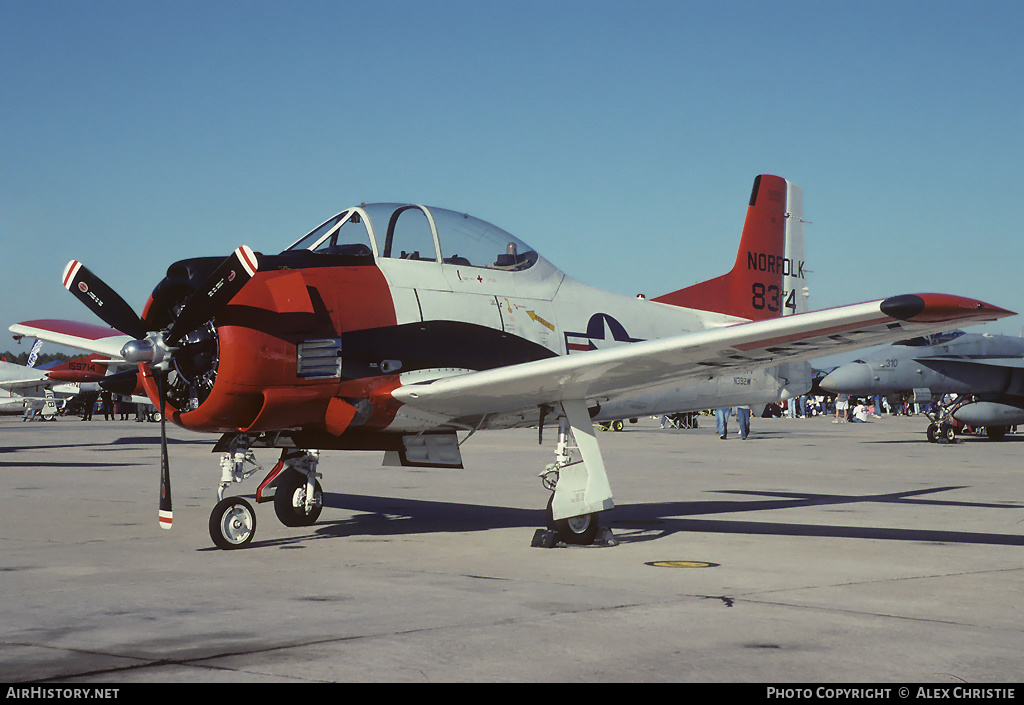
706	354
84	336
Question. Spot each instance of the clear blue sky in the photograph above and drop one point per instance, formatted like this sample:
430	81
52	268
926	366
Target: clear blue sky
620	139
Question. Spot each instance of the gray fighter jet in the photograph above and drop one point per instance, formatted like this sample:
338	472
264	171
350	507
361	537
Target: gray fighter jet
975	379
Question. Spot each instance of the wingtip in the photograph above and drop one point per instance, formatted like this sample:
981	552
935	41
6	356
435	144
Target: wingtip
937	308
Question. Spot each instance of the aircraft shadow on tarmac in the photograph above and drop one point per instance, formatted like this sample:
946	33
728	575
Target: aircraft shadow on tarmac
128	440
388	516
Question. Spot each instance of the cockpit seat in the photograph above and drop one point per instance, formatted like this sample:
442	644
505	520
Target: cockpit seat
515	261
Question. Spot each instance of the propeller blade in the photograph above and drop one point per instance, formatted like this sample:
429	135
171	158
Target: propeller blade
218	289
166	514
102	300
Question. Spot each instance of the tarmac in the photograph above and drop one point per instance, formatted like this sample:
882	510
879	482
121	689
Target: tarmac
811	552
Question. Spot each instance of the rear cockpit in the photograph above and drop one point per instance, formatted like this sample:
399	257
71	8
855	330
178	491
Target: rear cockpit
419	233
930	340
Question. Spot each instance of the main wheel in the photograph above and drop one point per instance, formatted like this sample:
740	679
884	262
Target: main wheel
232	523
933	432
579	531
290	500
948	432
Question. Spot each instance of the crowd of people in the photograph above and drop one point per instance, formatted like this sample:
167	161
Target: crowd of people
112	406
842	408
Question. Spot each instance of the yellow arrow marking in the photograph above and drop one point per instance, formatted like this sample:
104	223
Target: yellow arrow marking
540	320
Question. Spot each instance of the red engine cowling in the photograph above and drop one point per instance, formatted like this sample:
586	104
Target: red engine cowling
242	370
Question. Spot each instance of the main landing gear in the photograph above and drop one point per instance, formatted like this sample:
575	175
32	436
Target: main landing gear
579	485
297	495
577	482
943	428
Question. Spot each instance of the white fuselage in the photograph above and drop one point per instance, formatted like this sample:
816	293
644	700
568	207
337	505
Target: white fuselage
566	317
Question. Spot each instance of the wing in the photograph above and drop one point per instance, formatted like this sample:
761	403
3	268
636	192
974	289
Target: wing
706	354
83	336
952	361
16	384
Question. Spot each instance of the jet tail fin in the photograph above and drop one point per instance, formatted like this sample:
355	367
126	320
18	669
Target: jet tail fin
768	278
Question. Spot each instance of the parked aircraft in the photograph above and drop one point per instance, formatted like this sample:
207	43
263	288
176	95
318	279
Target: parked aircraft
393	327
38	387
984	372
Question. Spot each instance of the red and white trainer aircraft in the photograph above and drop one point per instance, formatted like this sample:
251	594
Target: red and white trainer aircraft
393	327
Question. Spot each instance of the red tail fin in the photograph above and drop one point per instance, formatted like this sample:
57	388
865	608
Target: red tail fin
755	287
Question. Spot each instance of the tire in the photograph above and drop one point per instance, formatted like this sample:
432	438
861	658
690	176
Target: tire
578	531
948	432
232	523
290	500
618	425
933	433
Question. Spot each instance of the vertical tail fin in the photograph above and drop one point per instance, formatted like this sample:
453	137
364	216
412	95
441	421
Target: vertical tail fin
767	279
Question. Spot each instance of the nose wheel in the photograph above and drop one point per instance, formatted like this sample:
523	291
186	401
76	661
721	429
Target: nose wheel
232	523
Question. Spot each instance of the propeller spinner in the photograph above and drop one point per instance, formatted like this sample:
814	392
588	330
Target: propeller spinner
158	348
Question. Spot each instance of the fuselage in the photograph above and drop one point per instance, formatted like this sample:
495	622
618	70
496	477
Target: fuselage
945	363
383	295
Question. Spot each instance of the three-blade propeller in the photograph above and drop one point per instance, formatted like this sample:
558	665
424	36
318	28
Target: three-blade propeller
157	347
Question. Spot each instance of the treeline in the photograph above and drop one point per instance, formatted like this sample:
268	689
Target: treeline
22	357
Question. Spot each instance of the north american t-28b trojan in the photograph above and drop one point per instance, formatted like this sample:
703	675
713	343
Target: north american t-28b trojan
394	327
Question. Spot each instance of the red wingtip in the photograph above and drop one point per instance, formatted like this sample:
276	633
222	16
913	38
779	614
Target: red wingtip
937	308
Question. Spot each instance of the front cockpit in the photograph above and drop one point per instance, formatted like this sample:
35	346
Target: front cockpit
419	233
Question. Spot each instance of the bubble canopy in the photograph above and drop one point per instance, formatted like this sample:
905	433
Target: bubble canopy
414	232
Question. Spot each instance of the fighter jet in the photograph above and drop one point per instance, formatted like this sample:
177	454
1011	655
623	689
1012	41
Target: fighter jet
983	373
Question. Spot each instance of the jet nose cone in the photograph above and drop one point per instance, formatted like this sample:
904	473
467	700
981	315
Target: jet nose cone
853	378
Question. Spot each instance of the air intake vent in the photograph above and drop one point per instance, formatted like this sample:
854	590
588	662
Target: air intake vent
319	358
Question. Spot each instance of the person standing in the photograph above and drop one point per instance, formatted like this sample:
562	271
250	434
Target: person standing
88	402
722	422
743	421
842	402
108	405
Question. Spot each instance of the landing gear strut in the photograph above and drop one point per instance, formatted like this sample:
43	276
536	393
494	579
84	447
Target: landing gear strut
941	428
579	487
297	495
